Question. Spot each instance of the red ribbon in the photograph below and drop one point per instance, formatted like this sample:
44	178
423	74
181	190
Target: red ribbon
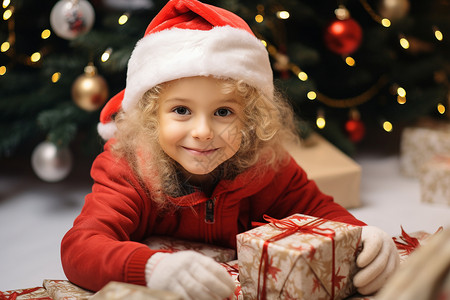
290	227
409	243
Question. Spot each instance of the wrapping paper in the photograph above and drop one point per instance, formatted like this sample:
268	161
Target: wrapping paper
317	261
65	290
420	143
435	180
119	290
219	254
38	293
232	268
335	173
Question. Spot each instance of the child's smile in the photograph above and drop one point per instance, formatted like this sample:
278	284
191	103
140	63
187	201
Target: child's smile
200	127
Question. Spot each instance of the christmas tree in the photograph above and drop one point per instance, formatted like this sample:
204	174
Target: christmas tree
345	66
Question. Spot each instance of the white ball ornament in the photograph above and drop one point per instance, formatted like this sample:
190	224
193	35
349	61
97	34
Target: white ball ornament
50	163
72	18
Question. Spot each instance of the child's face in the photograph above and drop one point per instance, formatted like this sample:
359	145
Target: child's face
200	127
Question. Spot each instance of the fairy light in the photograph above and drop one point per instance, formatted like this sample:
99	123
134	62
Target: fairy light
283	14
6	3
401	92
5	47
7	14
302	76
123	19
45	34
386	22
311	95
56	77
259	18
320	122
401	100
35	57
106	55
264	43
2	70
350	61
441	108
404	43
387	126
438	34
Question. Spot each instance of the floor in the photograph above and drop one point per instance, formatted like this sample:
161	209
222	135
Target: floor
35	215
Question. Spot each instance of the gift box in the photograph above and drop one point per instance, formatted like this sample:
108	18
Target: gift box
219	254
435	180
119	290
335	173
37	293
232	268
65	290
420	143
299	257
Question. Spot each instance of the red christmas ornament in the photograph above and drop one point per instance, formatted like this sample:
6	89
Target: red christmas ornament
343	36
355	130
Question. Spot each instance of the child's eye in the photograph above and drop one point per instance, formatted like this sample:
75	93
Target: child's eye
223	112
181	110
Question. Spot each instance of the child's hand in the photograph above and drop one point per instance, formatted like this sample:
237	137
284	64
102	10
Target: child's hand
378	260
189	274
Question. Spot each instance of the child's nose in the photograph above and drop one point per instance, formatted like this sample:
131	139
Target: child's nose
202	129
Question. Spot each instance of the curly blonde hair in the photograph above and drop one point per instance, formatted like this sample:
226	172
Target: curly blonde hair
267	124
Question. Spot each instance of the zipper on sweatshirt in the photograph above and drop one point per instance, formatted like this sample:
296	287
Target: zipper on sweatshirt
209	210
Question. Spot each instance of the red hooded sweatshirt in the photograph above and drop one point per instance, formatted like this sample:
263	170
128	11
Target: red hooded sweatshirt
104	243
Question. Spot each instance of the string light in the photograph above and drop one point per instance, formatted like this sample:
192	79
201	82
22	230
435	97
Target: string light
302	76
350	61
264	43
401	92
6	3
123	18
404	43
56	77
45	34
320	121
387	126
386	22
35	57
106	55
259	18
311	95
7	14
5	47
438	34
441	108
2	70
283	14
401	100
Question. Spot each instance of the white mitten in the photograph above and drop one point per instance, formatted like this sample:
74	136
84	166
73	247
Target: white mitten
378	259
189	274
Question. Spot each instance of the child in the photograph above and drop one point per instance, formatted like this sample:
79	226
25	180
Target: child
195	152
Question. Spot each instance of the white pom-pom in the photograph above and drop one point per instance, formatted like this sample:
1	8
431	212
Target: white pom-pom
107	130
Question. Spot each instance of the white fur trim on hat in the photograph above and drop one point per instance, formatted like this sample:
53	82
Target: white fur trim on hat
177	53
106	130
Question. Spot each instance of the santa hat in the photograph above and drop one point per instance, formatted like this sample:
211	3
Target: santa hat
189	38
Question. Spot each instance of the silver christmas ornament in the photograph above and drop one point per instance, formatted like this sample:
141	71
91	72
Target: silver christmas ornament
51	163
72	18
129	5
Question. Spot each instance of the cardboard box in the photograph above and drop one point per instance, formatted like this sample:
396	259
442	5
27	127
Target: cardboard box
300	257
334	172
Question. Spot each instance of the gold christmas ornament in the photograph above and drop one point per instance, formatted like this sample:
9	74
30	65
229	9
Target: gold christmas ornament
90	90
394	9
